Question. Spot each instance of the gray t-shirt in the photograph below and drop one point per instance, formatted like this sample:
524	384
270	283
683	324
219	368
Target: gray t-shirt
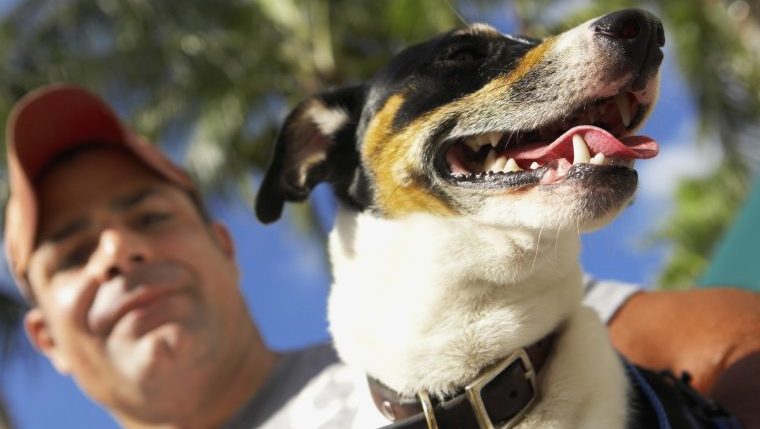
308	389
311	389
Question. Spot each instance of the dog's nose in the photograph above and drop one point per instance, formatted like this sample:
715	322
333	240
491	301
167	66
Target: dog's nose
629	41
631	27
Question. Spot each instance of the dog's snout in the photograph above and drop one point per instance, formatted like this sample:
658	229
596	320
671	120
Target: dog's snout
630	26
660	34
629	41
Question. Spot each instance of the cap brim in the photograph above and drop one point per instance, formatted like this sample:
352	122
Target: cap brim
54	119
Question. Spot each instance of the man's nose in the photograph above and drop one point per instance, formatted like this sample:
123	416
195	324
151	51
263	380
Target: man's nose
119	251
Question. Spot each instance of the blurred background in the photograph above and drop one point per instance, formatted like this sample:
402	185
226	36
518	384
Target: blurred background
210	81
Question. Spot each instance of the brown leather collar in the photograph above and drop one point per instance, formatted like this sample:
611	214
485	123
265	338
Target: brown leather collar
496	399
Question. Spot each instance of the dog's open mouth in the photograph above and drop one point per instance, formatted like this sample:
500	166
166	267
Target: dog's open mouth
596	134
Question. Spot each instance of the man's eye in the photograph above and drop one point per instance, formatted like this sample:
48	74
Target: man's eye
75	258
153	218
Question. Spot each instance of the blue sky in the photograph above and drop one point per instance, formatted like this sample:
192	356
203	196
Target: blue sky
285	282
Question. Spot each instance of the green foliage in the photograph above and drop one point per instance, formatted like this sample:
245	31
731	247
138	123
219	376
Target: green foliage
704	209
720	59
215	74
715	43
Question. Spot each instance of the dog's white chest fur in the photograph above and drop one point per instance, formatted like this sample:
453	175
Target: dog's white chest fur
425	303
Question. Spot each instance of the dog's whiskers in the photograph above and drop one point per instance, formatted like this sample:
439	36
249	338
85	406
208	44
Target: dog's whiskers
538	245
390	196
513	134
456	12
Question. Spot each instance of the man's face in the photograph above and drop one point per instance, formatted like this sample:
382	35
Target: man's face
137	296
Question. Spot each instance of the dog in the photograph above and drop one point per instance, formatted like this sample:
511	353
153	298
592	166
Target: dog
466	170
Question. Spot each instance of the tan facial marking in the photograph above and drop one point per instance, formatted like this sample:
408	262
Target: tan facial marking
496	91
393	156
400	184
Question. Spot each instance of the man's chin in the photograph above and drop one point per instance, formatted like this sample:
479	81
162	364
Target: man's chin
160	371
153	355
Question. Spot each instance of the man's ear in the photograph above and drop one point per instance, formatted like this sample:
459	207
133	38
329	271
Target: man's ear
222	236
39	334
317	143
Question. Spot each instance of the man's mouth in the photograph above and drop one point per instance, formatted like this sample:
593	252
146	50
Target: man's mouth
596	134
143	287
103	321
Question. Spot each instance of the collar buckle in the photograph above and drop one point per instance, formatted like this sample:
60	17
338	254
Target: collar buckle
474	390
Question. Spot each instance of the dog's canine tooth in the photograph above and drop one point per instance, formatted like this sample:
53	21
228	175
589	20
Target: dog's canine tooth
490	160
472	143
483	139
512	166
624	107
494	138
580	150
499	164
534	165
598	159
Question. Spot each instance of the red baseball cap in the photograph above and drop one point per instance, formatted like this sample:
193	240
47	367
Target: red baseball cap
42	125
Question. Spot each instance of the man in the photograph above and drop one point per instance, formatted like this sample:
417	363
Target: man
134	291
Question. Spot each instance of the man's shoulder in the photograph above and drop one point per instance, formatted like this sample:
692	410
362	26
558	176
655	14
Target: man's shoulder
606	297
316	356
310	388
328	400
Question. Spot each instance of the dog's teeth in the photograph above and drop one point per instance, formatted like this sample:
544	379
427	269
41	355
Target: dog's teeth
494	138
534	166
598	159
512	166
499	164
625	108
483	139
580	150
472	144
490	160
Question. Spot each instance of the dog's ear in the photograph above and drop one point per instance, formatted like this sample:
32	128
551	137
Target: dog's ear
317	143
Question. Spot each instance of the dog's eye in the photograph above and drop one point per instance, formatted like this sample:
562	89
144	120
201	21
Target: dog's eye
461	54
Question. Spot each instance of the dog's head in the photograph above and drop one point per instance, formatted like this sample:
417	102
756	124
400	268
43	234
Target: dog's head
509	130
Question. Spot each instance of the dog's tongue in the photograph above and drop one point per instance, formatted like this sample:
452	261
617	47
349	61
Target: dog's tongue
597	140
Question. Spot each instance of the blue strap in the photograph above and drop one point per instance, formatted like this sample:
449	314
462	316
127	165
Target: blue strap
651	396
730	422
720	420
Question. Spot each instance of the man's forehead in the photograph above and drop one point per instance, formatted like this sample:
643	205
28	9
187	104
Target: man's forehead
100	172
71	219
96	179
